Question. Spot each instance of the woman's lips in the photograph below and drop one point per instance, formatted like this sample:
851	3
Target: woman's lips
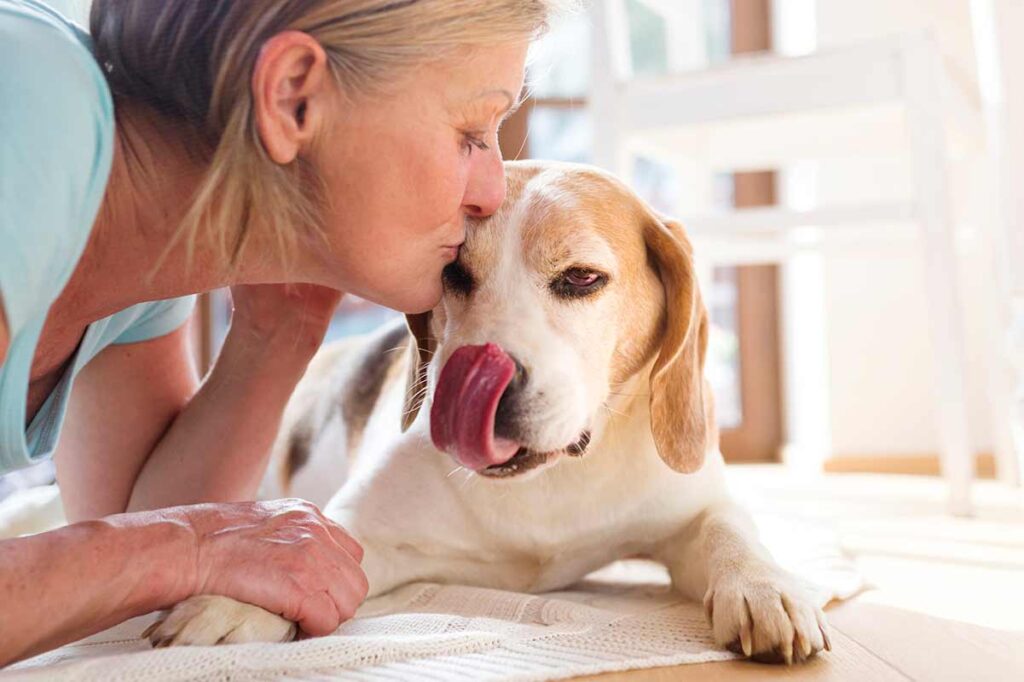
451	251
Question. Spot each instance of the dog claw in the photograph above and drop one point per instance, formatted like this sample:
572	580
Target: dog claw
151	629
824	634
787	652
801	645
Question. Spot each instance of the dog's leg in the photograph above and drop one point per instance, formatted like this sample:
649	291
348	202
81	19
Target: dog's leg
754	606
207	620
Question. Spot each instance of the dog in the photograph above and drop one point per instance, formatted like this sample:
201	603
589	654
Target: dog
548	417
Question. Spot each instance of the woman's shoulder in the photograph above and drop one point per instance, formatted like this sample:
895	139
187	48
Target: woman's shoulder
36	39
50	86
56	147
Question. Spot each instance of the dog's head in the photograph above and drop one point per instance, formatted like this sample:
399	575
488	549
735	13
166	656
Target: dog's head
556	302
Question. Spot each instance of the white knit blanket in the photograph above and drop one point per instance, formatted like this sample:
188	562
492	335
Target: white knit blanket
623	617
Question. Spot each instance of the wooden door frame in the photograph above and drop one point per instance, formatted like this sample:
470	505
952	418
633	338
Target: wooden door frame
759	437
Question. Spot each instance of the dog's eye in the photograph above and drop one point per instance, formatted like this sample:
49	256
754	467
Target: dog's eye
581	279
457	278
578	282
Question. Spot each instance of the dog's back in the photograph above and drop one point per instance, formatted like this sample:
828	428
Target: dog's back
329	415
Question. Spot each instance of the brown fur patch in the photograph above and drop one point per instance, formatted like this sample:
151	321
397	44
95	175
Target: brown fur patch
371	370
299	442
351	374
566	209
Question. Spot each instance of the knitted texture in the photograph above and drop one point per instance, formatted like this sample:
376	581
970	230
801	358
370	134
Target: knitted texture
622	617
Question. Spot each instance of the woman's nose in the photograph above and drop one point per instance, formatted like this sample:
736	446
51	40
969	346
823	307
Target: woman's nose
486	187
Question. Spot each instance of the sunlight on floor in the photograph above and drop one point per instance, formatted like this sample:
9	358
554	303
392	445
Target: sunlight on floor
915	556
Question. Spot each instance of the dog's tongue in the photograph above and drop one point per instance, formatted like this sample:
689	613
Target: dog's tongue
465	402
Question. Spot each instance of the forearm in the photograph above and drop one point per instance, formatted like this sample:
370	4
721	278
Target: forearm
59	586
217	448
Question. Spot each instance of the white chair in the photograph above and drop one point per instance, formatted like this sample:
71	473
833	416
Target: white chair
769	111
997	26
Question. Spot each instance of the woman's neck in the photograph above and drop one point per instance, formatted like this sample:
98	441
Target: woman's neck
136	251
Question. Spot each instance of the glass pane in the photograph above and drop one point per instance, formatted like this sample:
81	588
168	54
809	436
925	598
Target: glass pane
559	134
718	30
559	65
722	367
700	35
647	39
657	184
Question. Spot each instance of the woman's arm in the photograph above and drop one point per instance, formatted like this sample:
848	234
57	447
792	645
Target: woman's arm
217	447
282	555
139	436
62	585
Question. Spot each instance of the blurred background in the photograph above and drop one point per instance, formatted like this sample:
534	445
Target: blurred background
845	171
838	166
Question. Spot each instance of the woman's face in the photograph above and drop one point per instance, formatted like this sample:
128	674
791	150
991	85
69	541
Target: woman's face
403	171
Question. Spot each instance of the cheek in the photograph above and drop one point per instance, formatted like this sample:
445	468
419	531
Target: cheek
397	185
586	341
434	175
599	343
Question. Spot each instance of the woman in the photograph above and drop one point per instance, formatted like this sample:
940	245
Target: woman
195	144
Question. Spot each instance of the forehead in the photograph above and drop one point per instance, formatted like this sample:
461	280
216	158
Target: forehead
482	76
559	217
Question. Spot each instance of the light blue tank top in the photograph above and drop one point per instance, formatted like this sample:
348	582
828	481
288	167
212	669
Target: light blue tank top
56	146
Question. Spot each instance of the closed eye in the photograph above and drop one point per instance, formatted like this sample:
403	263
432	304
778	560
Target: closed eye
578	282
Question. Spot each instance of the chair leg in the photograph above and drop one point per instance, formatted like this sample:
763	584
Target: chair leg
996	25
928	151
1011	464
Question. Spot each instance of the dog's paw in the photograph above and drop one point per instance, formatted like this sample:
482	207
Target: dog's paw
766	614
208	620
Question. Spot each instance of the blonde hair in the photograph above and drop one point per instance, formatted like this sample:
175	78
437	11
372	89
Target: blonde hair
192	60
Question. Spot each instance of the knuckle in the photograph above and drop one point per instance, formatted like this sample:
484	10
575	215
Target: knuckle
362	585
346	612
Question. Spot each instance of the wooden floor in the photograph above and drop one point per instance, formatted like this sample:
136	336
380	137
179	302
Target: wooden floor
947	601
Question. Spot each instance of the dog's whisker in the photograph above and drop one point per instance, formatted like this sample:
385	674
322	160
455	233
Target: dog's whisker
629	395
455	471
420	393
611	410
417	396
467	481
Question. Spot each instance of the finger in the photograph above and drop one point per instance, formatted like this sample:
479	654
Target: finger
348	589
347	542
319	614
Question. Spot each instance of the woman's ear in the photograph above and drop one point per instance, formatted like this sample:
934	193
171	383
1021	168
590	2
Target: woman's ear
289	88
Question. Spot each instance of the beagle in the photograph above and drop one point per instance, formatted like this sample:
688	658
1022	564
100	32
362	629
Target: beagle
554	418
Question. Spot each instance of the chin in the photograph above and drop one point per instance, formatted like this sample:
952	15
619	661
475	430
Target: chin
412	301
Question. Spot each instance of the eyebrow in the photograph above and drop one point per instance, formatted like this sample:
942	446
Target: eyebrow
513	102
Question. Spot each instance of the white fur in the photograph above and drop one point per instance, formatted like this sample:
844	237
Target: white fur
421	517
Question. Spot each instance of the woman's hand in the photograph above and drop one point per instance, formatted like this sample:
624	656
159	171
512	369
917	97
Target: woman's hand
284	556
296	314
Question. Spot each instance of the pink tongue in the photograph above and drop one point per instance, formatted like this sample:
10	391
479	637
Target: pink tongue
465	402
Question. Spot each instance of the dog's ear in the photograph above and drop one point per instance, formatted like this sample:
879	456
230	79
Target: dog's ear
679	414
421	349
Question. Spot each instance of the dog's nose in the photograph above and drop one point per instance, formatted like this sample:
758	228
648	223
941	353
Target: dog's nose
508	407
